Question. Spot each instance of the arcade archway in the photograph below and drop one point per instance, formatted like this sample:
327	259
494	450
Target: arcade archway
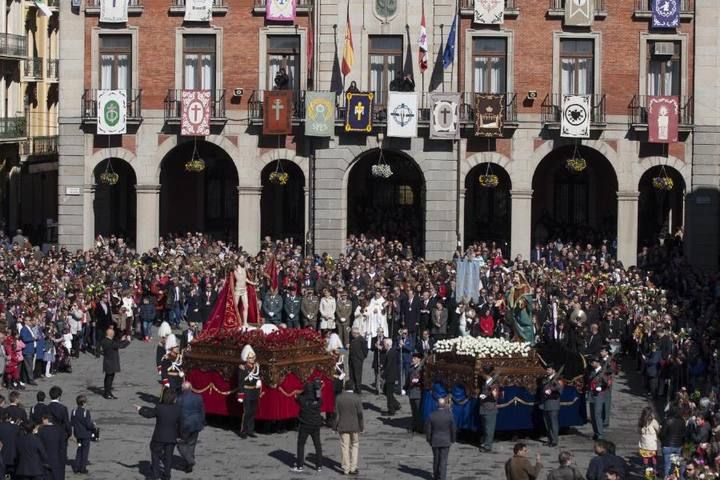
487	208
660	210
115	205
204	201
283	206
576	206
392	207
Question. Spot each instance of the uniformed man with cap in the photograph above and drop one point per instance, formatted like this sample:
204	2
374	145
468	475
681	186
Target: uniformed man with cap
487	405
343	312
272	307
310	308
291	308
597	383
249	386
551	388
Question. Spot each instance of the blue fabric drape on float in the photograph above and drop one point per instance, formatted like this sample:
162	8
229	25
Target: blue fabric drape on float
517	409
468	279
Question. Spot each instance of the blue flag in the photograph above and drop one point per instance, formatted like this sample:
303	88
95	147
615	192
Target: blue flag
449	53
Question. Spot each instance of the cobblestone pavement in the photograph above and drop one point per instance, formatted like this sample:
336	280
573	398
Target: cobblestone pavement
386	449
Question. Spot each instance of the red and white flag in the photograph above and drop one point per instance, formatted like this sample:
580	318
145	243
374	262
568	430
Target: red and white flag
195	119
423	43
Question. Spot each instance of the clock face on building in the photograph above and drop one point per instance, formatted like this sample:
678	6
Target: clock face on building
386	8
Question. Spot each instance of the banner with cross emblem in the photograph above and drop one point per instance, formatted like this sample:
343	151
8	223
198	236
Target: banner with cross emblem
402	112
280	10
277	115
444	116
319	114
111	112
358	111
113	11
195	120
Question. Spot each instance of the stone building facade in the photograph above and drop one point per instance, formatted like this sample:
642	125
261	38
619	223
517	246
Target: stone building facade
433	200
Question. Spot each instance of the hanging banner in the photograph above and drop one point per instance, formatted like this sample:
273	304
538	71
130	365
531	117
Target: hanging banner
111	112
195	120
113	11
579	13
319	114
43	8
663	113
575	121
198	10
489	115
665	13
278	109
402	114
444	120
489	12
280	10
358	112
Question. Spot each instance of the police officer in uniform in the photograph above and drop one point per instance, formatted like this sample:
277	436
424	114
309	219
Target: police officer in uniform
343	312
310	308
414	387
487	404
249	384
272	307
291	308
598	384
610	366
550	390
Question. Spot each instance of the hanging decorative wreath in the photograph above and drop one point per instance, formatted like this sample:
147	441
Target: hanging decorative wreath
195	164
109	177
576	163
279	176
489	179
381	169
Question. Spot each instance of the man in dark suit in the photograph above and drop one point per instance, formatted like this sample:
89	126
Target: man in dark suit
440	433
167	415
426	308
83	429
32	460
39	409
55	444
595	341
207	300
110	348
410	313
59	417
550	390
358	354
349	424
188	335
391	375
191	423
16	412
8	436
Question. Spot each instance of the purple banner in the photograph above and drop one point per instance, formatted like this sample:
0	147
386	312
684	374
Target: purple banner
665	13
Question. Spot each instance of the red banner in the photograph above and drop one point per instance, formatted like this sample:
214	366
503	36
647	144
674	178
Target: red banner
662	115
195	119
278	106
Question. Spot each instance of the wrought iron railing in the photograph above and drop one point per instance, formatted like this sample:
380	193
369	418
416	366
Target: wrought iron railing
600	5
96	3
33	68
12	45
134	104
255	105
173	105
39	146
686	6
13	127
181	3
299	3
469	4
637	110
53	68
551	108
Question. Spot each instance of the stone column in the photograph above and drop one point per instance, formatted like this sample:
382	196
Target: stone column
88	226
148	217
249	218
521	222
627	227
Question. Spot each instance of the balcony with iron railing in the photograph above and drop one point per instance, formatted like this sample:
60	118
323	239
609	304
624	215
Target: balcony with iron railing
33	69
53	69
173	107
13	46
39	146
256	111
638	112
643	9
557	8
551	110
467	7
220	7
53	4
301	5
92	7
133	112
12	128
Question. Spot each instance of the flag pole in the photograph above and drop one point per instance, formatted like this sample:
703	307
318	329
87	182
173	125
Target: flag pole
442	35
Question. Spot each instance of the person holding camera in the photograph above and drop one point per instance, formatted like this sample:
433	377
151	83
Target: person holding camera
310	420
282	81
84	430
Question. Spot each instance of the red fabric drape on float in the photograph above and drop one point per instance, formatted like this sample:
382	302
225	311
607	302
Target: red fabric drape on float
224	315
275	403
253	316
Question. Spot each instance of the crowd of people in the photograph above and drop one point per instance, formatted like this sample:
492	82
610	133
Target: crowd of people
660	316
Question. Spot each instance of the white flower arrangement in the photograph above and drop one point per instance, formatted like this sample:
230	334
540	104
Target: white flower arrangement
382	170
483	347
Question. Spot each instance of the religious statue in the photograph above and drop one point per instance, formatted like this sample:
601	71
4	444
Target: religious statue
519	300
244	294
386	8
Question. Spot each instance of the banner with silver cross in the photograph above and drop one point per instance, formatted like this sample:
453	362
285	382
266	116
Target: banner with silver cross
444	120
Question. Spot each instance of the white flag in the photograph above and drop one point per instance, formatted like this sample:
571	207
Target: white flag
111	112
402	114
44	9
489	12
576	111
113	11
198	10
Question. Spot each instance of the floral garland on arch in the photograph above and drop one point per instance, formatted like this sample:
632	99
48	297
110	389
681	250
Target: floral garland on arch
483	347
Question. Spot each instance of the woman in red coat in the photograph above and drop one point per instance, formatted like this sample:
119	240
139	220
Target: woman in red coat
12	363
486	322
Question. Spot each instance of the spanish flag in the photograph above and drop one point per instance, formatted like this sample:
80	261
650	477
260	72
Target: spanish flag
348	52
